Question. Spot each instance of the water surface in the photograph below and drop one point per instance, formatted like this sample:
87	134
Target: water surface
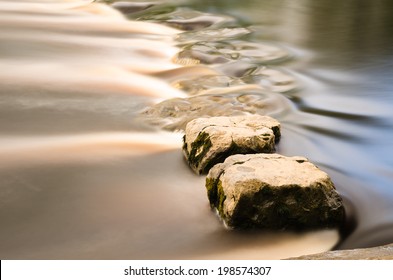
93	101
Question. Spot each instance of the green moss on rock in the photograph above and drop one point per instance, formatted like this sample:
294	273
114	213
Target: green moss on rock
216	194
199	149
211	188
220	198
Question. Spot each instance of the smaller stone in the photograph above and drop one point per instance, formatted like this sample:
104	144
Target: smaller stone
208	141
271	191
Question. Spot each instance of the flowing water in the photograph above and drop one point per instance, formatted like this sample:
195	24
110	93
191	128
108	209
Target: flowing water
94	97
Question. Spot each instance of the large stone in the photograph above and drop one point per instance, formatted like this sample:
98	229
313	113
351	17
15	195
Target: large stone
208	141
271	191
374	253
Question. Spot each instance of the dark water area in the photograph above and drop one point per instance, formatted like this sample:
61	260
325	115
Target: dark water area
343	56
90	166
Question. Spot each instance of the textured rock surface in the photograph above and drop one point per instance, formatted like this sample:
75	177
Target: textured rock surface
209	141
272	191
375	253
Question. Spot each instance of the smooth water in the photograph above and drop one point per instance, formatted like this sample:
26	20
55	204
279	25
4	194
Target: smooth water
93	99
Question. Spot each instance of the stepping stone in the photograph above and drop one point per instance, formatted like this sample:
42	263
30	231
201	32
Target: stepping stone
208	141
271	191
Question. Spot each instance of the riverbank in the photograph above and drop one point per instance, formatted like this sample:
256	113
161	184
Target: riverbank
374	253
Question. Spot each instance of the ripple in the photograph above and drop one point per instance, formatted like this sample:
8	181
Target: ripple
226	51
234	75
215	42
191	20
201	84
174	114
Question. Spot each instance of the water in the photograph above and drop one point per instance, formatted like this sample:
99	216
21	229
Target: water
92	106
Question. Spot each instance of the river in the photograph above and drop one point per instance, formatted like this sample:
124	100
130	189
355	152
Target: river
94	96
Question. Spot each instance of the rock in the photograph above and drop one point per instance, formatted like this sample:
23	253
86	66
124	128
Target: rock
174	114
271	191
375	253
208	141
129	8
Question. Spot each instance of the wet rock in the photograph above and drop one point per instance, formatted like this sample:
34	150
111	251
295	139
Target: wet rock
174	114
208	141
271	191
188	20
214	52
375	253
129	7
209	35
